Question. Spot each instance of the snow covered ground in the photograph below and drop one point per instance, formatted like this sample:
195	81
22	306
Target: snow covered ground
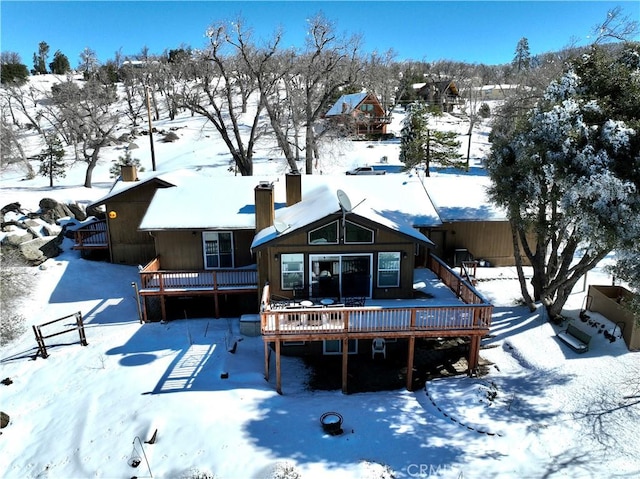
542	411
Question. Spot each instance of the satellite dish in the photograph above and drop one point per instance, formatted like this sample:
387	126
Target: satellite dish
280	226
343	199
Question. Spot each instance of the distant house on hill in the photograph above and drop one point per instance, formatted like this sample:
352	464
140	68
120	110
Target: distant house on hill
360	114
498	92
442	94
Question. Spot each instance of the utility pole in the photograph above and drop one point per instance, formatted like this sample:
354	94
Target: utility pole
153	154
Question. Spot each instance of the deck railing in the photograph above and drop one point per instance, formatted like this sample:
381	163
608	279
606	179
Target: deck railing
93	235
474	314
376	319
155	280
461	287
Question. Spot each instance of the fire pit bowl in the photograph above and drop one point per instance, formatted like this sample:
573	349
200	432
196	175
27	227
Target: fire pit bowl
331	423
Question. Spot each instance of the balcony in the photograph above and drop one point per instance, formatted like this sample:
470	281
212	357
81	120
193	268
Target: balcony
154	281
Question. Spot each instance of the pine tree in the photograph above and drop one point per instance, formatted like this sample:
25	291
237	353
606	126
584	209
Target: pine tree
51	163
60	64
421	144
522	58
40	58
125	160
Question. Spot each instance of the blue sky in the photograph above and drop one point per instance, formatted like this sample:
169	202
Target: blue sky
472	31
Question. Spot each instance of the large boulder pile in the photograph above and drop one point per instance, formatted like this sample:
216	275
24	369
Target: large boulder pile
37	236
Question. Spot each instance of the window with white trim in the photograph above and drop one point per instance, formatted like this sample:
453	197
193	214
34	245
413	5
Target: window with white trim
327	234
388	270
357	234
218	249
292	270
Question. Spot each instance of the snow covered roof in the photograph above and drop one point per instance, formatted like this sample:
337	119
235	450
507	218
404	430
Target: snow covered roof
119	187
352	101
322	201
463	198
201	202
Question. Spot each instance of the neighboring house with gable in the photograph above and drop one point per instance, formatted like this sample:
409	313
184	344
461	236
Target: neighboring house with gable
360	114
443	94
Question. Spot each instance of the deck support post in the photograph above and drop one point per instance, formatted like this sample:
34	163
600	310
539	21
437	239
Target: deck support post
345	362
410	356
217	305
267	358
163	307
144	309
474	352
278	369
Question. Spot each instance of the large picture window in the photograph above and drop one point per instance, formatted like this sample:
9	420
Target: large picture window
292	270
388	270
218	249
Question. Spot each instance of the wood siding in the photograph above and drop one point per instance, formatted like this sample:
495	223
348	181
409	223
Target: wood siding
385	241
487	240
182	250
127	244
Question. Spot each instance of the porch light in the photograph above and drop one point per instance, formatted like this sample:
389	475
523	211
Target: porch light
276	256
113	215
404	255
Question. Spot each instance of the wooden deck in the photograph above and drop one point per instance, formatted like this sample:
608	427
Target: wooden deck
467	315
92	237
161	283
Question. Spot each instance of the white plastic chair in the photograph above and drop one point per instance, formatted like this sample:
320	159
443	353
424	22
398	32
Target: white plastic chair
379	346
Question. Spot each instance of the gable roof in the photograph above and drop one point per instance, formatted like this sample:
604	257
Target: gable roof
120	187
322	201
228	202
351	101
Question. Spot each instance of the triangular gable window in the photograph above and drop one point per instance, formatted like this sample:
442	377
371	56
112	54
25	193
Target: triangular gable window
327	234
357	234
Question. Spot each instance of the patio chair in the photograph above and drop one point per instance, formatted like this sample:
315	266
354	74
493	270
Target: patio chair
378	346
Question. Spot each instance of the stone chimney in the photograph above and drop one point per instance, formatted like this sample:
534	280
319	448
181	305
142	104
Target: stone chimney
265	209
294	188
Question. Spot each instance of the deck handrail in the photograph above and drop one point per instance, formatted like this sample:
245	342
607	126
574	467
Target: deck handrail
93	234
154	278
376	319
461	287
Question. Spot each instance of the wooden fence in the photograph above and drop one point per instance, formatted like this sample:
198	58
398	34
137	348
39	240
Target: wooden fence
37	330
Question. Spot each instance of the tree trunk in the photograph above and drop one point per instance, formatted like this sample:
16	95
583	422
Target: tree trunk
91	164
519	268
309	148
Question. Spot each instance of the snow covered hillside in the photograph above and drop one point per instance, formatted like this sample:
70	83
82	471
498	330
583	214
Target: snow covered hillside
173	399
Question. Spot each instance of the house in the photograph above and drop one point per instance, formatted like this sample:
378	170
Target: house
360	114
442	94
320	261
118	234
469	230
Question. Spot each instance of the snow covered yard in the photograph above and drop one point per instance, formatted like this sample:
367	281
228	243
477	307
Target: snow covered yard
542	411
76	414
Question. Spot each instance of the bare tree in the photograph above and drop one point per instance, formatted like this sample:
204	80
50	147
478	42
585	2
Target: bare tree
89	114
327	64
213	92
11	150
616	27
